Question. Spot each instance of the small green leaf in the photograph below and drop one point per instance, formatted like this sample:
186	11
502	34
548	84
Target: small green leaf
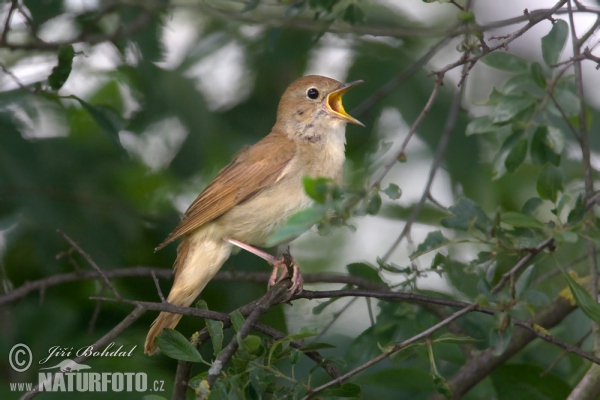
549	182
110	123
215	329
531	205
364	270
509	107
524	281
467	214
578	212
353	14
554	42
537	73
61	72
505	62
565	237
296	225
176	346
466	16
546	146
237	320
480	125
251	343
373	204
516	156
567	101
433	241
583	299
346	390
393	191
317	188
519	220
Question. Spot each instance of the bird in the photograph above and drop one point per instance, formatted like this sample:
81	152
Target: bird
258	191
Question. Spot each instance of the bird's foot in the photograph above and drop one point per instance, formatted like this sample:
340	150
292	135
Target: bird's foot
285	263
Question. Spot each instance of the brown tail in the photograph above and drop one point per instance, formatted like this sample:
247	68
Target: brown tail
199	257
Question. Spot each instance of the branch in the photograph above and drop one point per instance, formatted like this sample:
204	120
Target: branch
276	295
224	276
90	261
437	160
485	362
388	353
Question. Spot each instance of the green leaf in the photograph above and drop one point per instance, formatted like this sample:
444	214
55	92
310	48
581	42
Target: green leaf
549	182
433	241
153	397
516	156
519	220
546	145
346	390
505	62
565	237
567	101
467	214
237	320
176	346
215	329
393	191
537	73
61	72
524	281
509	107
480	125
578	212
583	299
531	205
373	204
110	123
364	270
554	42
353	14
251	343
296	225
317	188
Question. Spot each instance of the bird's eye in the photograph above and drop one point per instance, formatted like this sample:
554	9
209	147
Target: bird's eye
312	93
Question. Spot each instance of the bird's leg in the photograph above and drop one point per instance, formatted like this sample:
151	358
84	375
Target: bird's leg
284	263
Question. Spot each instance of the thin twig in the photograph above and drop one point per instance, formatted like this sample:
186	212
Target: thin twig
158	289
90	261
437	160
388	353
12	8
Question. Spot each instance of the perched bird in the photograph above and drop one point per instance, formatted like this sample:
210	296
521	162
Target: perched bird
261	188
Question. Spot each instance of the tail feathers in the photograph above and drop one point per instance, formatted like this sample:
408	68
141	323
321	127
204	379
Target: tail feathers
199	257
164	320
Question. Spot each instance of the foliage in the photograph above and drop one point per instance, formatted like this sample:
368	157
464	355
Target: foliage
107	133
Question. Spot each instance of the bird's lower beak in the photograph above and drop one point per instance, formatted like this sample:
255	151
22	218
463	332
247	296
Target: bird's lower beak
334	103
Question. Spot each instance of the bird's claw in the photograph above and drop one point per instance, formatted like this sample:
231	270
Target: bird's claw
296	278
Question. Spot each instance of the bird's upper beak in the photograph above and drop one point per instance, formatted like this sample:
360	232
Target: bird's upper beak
334	103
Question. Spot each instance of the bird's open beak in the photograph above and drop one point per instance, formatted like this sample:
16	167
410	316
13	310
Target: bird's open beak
334	103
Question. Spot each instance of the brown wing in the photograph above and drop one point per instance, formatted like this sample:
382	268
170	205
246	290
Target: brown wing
251	171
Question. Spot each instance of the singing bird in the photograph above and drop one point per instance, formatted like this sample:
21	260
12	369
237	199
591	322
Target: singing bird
259	190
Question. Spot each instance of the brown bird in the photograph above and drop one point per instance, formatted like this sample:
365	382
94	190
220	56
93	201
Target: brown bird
261	188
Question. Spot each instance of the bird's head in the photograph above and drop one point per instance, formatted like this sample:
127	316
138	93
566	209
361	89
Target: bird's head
314	103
